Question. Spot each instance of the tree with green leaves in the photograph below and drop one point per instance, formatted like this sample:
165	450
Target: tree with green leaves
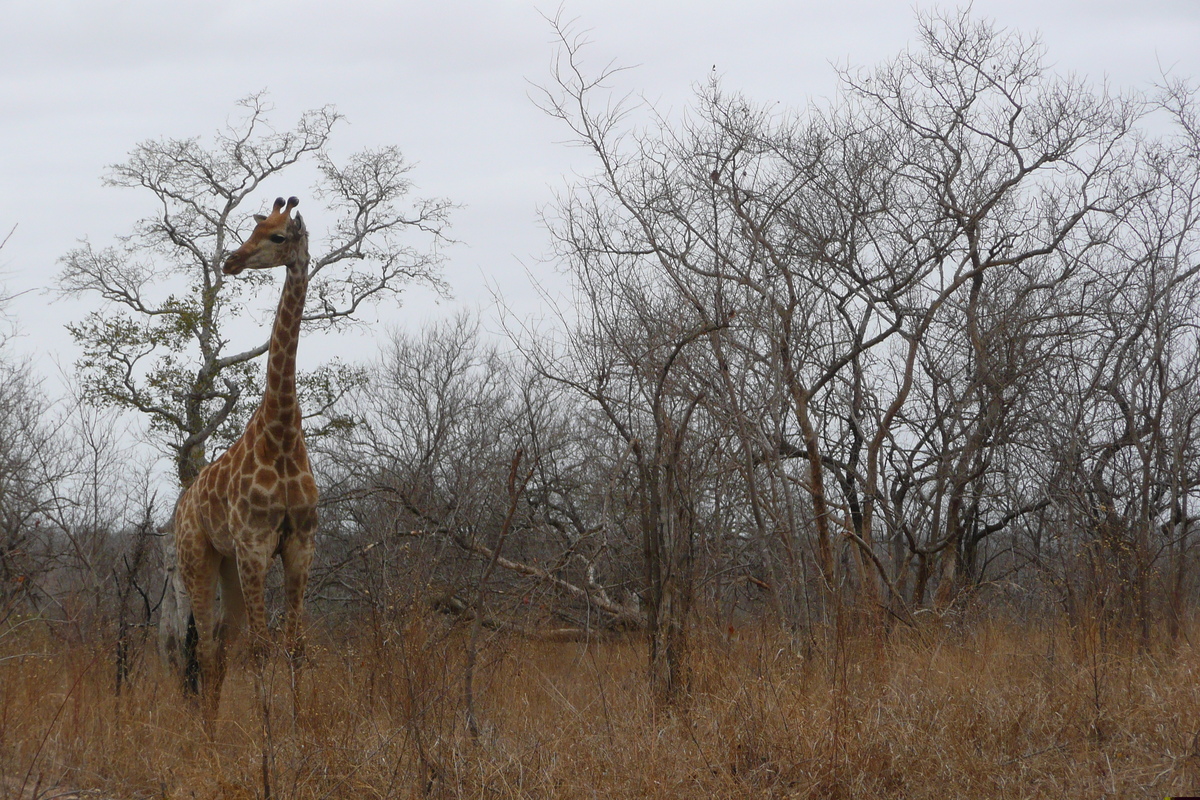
158	342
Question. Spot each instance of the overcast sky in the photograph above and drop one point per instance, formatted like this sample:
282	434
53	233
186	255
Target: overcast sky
448	82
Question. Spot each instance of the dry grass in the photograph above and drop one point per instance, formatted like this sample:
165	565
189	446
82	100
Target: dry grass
996	711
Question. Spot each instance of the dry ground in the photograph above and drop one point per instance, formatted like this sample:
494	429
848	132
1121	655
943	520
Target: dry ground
994	710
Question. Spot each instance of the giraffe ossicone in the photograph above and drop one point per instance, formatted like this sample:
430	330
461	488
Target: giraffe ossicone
259	498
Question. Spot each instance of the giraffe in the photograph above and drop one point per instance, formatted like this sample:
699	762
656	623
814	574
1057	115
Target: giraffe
258	499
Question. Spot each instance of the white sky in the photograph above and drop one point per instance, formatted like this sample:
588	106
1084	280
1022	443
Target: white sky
82	82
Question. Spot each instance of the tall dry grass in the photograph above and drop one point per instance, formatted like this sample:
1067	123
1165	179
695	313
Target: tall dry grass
996	710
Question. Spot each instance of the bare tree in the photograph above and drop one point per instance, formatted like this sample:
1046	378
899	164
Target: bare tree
424	476
158	345
870	279
32	469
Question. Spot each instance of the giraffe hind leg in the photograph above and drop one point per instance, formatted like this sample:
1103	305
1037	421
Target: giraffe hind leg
233	605
200	578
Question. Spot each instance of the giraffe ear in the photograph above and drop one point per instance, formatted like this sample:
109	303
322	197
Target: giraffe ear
259	218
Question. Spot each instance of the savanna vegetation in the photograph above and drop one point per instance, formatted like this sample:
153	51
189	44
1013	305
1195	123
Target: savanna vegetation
859	462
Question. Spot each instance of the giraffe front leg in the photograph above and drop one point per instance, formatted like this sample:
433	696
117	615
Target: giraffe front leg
297	555
252	575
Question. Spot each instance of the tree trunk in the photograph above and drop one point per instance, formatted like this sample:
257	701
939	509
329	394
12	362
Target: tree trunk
174	620
668	535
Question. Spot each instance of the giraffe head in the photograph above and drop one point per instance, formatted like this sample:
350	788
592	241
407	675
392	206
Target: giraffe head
277	240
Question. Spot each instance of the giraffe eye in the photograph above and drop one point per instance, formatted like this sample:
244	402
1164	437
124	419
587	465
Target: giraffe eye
278	238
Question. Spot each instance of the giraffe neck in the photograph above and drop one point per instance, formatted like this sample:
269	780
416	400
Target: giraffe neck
279	398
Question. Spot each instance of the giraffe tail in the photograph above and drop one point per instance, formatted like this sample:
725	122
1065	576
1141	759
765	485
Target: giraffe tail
191	662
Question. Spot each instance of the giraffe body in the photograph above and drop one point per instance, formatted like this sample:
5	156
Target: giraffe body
259	499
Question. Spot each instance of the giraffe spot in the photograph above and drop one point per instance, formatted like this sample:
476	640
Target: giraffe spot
258	497
266	477
257	520
305	518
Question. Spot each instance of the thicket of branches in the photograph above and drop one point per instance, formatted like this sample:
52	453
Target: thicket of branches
931	344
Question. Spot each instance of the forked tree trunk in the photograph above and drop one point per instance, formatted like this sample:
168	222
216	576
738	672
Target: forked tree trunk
669	539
